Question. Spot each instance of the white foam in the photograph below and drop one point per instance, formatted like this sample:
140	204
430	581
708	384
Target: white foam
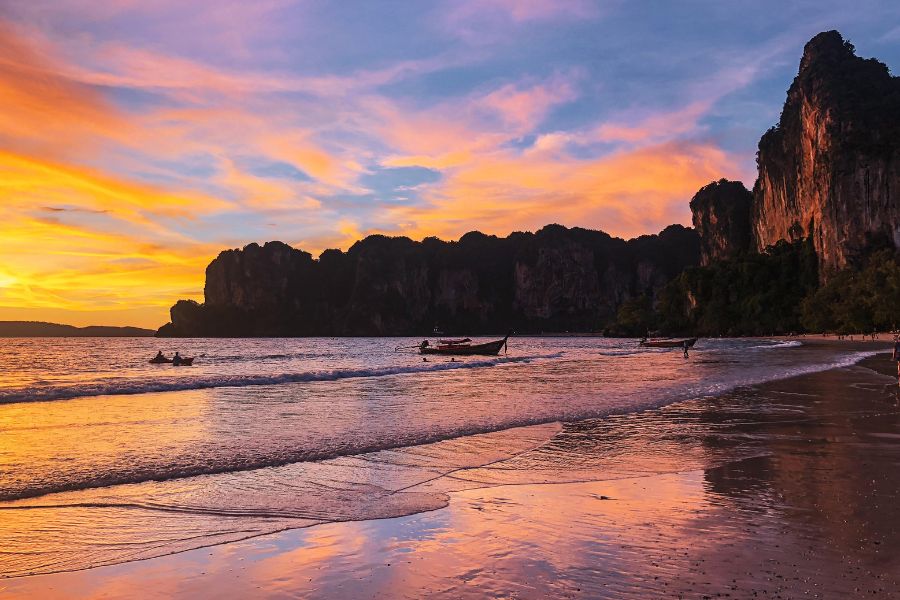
142	386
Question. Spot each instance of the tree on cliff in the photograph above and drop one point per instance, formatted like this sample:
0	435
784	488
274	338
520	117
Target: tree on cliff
857	301
752	294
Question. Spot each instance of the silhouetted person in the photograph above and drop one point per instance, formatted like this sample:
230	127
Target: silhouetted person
896	357
686	349
176	360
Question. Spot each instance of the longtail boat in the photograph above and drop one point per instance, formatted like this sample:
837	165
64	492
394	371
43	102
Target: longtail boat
463	347
668	342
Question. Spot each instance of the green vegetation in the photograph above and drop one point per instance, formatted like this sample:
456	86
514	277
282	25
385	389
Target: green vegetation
634	319
752	294
774	292
857	301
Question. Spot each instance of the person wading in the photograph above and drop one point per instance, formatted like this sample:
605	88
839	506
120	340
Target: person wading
896	356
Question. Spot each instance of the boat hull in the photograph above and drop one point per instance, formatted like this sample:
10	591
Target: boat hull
185	362
486	349
678	343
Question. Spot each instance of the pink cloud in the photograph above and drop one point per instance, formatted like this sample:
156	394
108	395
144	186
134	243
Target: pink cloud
525	106
481	22
517	11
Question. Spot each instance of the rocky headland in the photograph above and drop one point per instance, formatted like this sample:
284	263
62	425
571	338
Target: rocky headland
556	279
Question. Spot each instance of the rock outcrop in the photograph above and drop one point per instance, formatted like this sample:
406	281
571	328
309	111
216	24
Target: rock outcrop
557	279
830	169
721	216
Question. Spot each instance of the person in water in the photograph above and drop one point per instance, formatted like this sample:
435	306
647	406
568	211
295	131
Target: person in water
176	360
685	349
896	356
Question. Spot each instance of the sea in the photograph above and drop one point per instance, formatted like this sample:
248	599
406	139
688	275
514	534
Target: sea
106	458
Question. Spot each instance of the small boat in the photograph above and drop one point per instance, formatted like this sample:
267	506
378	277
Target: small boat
668	342
162	360
463	347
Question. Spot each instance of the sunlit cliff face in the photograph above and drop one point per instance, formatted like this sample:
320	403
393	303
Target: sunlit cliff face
139	139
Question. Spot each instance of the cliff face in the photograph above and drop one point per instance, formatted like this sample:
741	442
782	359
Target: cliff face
721	216
830	169
557	279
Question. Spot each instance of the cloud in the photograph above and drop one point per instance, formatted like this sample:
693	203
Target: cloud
78	240
483	21
524	106
627	193
45	111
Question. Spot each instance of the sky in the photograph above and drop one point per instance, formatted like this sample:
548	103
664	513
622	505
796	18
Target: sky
139	139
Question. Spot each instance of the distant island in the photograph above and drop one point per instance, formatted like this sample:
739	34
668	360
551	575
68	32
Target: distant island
812	247
10	329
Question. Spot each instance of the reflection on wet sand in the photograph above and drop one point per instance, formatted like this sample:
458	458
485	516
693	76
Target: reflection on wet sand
785	490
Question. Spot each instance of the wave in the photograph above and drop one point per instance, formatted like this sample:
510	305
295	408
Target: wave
772	345
172	472
256	358
785	344
116	387
632	351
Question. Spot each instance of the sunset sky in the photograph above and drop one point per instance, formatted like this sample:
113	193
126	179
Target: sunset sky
138	139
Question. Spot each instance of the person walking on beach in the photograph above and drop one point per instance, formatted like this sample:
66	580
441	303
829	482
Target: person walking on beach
685	344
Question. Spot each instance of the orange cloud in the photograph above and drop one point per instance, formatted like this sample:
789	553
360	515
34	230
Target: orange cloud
627	194
43	110
85	242
451	134
490	186
653	127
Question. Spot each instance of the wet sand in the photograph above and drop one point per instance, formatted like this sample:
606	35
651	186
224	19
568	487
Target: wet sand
784	490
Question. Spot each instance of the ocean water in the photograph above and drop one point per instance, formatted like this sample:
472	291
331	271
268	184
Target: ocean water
105	458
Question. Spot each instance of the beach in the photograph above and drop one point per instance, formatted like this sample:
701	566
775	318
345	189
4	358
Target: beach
782	489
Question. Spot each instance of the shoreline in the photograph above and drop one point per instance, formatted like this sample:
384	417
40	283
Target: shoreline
717	457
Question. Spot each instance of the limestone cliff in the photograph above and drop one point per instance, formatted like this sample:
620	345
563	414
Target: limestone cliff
830	169
721	216
557	279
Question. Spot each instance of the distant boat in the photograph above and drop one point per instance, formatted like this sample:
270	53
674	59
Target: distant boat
463	347
668	342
